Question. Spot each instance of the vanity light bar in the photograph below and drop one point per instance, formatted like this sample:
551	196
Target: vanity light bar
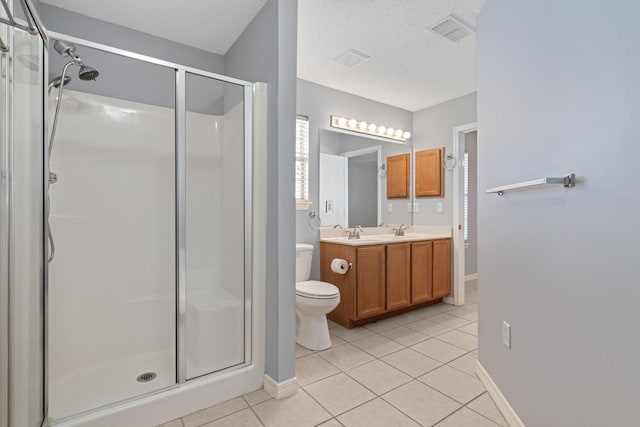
354	125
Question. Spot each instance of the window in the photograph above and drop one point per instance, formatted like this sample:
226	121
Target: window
302	163
465	226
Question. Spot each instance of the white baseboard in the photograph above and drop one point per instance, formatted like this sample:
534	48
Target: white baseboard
279	390
470	277
507	411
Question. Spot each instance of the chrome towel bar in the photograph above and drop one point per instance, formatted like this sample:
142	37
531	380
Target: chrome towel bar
567	181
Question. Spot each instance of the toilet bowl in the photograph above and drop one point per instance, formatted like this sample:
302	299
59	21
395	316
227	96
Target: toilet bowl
314	299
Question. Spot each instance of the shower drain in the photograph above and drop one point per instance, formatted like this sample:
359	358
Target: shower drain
146	377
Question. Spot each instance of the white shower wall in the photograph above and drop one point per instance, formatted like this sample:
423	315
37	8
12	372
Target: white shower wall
112	284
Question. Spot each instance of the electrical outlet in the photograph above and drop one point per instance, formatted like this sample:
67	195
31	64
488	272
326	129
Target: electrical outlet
389	207
439	208
416	207
506	334
409	207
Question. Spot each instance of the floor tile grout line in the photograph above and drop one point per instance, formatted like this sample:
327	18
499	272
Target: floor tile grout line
402	412
451	397
337	415
256	414
482	415
438	422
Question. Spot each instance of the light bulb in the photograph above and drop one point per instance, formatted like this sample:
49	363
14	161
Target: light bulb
362	125
406	135
342	121
372	127
382	129
398	133
352	123
391	131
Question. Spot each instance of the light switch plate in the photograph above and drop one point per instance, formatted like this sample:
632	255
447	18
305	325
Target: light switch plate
439	208
389	207
416	207
409	207
506	334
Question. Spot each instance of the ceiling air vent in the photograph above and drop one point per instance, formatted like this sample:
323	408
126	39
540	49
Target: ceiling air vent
451	29
351	58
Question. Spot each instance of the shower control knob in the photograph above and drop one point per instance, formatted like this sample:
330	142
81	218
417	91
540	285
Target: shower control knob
53	178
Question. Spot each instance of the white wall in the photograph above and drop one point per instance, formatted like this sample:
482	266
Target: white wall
559	92
433	127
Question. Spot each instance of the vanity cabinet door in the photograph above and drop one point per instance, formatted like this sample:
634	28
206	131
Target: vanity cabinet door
370	269
421	272
398	275
441	268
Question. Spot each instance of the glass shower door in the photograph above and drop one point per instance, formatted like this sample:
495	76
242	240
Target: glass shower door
215	225
21	236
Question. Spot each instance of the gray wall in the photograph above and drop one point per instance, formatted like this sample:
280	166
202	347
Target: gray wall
471	251
433	127
319	103
266	51
363	190
561	265
131	79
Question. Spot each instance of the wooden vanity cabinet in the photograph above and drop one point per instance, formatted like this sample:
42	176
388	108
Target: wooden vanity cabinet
398	275
386	279
441	268
370	281
421	272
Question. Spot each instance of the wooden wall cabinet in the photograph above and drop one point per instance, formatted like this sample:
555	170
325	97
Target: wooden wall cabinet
386	279
429	174
398	171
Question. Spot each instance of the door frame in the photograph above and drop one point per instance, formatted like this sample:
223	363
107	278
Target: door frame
459	133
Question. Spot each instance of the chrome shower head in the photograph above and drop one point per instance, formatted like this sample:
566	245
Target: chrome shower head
87	73
56	81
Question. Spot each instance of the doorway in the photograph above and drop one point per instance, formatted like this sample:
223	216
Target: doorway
464	213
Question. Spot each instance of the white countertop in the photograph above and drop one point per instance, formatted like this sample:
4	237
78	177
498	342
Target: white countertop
384	235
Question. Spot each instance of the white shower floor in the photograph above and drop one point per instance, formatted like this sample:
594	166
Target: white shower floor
103	385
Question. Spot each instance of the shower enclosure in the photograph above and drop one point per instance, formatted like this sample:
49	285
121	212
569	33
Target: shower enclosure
145	192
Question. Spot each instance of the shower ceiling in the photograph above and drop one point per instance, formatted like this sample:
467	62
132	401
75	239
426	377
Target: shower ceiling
211	25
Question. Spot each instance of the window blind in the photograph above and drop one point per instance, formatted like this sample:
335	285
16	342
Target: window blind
465	226
302	158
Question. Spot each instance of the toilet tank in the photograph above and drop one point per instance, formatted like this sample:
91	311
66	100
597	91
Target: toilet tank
304	255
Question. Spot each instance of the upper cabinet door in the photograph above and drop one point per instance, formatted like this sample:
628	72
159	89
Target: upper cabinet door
398	169
429	176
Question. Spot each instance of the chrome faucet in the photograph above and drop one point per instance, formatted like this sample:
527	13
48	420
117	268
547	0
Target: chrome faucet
400	231
355	234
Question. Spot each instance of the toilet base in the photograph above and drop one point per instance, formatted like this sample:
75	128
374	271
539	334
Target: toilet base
313	332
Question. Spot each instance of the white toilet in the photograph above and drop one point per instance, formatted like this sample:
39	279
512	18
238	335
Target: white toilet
314	300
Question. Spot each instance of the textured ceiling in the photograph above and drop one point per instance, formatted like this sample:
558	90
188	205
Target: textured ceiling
211	25
410	67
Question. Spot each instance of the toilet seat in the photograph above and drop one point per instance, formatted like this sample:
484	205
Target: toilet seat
316	289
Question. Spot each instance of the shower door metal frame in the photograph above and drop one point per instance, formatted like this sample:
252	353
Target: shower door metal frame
180	209
7	243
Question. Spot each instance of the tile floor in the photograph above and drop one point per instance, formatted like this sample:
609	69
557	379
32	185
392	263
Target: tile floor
416	369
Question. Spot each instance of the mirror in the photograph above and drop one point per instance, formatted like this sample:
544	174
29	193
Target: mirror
353	181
